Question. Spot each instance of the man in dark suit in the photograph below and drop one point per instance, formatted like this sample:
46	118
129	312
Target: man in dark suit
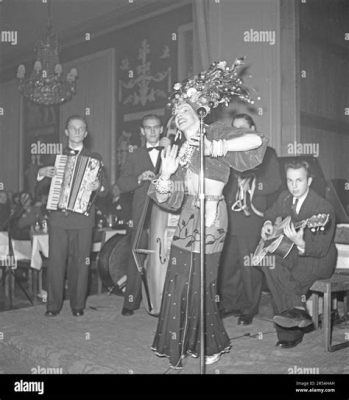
312	257
70	234
140	168
240	283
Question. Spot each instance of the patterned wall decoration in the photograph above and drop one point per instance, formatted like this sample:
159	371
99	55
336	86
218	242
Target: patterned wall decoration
143	88
146	69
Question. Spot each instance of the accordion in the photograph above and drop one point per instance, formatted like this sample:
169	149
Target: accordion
68	190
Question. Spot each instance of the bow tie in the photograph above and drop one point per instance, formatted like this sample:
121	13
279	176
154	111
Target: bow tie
72	151
154	148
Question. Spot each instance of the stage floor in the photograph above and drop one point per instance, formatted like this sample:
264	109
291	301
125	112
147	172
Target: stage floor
104	342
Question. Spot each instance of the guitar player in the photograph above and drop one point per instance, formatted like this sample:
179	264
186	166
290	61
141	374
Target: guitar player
312	257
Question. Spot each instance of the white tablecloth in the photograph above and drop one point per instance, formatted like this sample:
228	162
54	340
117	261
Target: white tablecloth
343	256
40	245
21	248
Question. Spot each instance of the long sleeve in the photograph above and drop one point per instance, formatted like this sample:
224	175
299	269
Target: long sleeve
43	183
104	184
245	160
127	181
239	160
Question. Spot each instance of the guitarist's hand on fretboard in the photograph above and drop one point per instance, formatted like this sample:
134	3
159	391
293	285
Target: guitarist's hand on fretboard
295	236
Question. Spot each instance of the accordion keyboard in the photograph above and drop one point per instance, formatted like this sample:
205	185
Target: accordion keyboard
56	184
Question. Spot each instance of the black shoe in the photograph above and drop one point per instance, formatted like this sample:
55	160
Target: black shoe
245	319
51	313
288	344
126	312
293	318
225	314
78	313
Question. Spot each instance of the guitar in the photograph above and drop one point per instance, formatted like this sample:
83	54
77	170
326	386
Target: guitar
279	244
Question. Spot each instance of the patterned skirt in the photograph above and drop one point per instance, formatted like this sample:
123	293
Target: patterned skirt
178	330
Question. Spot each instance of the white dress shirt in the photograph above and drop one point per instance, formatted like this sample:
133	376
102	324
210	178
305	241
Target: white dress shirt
300	201
153	154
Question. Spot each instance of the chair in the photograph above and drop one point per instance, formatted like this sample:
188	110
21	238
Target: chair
338	283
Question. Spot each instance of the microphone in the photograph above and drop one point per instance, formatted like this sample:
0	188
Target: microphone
202	112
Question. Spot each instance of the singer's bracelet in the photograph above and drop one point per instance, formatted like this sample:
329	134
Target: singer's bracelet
218	148
163	185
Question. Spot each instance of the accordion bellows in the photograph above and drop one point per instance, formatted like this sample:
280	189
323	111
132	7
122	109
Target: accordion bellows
68	190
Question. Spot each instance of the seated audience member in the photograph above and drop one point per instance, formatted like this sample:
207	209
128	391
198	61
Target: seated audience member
15	203
114	206
5	210
25	216
312	257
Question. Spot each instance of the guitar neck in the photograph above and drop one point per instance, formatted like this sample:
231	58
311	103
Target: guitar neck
301	224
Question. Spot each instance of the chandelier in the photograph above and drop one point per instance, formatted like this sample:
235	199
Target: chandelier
46	84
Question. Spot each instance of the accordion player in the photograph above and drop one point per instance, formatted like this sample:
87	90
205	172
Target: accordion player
69	189
71	219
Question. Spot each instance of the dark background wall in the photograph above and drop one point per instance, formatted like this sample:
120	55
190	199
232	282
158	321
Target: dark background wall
324	94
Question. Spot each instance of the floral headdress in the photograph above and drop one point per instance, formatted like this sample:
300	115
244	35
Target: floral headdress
219	84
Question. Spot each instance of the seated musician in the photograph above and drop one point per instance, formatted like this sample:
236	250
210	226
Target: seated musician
70	234
312	257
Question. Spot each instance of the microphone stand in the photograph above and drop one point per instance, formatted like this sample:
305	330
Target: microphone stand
202	113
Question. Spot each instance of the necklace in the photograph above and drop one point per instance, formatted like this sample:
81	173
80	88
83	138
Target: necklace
185	154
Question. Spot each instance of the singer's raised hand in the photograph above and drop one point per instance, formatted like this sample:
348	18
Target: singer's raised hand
169	161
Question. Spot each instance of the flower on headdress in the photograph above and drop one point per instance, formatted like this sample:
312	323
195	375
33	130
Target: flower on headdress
177	86
191	91
222	64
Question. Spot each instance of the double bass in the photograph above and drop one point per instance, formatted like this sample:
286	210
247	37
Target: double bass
162	228
152	262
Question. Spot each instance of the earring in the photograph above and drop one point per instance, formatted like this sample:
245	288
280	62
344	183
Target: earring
178	135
